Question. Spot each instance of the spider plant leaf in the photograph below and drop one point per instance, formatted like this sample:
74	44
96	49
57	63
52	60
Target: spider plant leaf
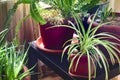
89	65
94	64
113	50
71	63
96	28
97	59
104	62
71	50
63	52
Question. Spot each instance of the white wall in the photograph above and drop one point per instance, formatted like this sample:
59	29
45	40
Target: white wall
115	5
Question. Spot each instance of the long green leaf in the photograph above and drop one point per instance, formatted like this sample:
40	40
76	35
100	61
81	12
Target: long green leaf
35	13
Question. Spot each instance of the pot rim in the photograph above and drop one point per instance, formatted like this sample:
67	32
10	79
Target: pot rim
96	24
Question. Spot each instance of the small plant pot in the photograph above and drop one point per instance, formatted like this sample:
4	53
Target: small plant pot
113	29
82	69
54	38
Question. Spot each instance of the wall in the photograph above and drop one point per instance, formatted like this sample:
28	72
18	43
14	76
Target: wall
115	5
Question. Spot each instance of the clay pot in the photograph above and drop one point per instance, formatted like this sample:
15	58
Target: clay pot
82	69
54	38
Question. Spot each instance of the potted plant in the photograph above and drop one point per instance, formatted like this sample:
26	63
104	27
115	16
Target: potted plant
12	59
63	9
112	27
99	6
60	13
84	53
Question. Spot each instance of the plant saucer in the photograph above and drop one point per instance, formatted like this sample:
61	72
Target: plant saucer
79	76
40	45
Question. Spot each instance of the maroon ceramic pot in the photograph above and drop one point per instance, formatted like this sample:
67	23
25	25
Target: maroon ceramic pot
54	38
82	69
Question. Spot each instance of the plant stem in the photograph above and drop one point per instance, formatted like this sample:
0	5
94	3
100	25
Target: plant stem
10	15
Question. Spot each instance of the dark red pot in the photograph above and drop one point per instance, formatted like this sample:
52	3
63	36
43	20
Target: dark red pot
108	28
82	69
54	38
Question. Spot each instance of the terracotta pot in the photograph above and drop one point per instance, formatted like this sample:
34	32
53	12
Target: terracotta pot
114	29
54	38
82	69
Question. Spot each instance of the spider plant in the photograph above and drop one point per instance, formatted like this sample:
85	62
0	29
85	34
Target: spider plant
88	42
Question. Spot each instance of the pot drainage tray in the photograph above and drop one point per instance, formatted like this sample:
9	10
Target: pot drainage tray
40	45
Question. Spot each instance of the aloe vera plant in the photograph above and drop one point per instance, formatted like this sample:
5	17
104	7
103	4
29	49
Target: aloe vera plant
87	44
13	63
12	60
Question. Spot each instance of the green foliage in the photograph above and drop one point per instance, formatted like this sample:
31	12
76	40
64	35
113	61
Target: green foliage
2	36
104	14
87	44
66	8
12	55
12	60
35	12
69	7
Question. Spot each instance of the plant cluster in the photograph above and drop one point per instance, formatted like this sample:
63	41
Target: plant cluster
68	7
88	43
65	7
12	60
